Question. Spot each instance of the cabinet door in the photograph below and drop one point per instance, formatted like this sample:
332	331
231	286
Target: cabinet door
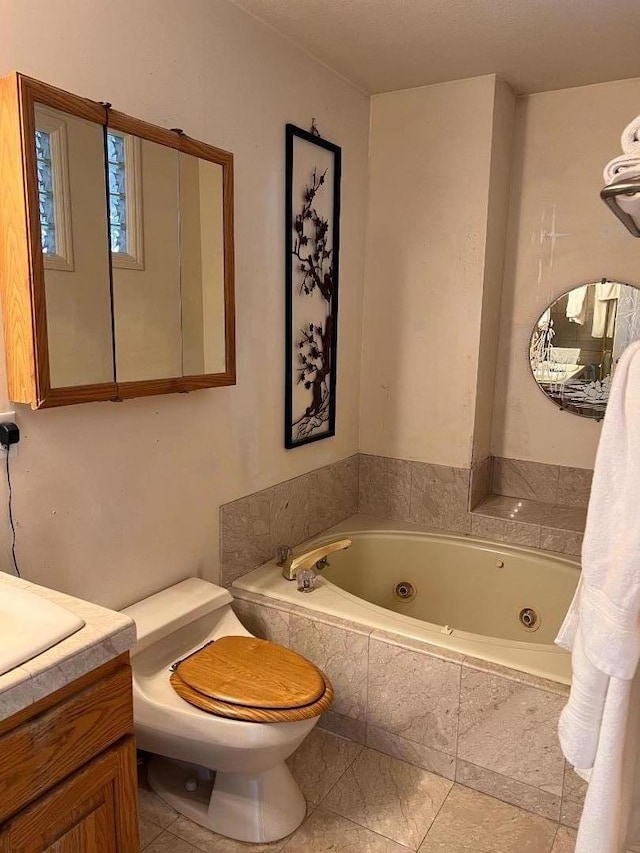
171	220
54	246
145	255
92	812
95	831
70	176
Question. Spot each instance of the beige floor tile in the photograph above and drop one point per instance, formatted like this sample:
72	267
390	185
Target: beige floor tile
470	821
209	842
570	813
168	843
565	841
151	808
388	796
148	832
326	832
320	761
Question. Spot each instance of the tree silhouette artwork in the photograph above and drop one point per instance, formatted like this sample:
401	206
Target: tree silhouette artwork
314	343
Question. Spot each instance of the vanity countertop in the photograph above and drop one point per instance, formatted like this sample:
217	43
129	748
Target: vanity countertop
105	635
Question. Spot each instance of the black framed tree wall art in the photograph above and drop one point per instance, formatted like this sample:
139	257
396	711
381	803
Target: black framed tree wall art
312	245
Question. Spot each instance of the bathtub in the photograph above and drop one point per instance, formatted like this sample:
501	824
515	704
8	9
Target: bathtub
484	600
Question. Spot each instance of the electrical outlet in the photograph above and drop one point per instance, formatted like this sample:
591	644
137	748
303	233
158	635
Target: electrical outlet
8	417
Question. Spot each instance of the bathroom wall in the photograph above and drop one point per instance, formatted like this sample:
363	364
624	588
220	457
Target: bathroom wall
560	235
497	210
115	501
439	161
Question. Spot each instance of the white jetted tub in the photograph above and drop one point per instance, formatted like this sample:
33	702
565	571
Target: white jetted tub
485	600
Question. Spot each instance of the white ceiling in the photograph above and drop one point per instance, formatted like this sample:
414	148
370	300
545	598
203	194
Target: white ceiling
537	45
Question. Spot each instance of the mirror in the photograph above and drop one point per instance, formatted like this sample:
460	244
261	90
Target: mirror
202	266
128	249
578	340
167	257
74	232
144	221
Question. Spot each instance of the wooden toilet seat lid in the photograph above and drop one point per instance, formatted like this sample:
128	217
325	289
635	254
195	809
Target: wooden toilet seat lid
251	673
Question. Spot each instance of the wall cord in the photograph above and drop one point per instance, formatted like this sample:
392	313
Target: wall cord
11	522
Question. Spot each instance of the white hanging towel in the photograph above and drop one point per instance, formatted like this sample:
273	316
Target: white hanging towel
577	305
599	725
605	305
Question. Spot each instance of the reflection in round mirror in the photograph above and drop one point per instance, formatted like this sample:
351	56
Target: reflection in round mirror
578	341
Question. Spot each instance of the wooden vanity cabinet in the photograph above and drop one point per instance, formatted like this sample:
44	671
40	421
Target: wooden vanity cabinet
68	780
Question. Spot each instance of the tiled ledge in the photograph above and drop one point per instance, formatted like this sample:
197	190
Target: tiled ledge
533	523
559	485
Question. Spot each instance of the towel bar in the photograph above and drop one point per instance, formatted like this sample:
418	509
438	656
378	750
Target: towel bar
609	196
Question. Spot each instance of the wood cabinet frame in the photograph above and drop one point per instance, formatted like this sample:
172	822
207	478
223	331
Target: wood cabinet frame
66	756
22	283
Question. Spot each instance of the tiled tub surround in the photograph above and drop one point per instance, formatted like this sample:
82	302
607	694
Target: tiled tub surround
252	528
490	728
440	496
415	492
540	506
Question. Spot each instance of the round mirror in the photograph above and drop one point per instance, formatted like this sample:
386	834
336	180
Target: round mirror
578	340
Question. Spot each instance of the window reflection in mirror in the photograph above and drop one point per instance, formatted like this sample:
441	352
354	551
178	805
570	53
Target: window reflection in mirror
202	265
145	243
125	200
578	340
74	237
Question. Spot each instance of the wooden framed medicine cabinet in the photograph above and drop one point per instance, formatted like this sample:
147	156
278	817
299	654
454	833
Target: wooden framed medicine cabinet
116	252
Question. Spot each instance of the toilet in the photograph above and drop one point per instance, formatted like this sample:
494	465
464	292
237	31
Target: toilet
220	711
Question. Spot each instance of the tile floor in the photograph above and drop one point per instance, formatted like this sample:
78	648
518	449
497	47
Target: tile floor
361	801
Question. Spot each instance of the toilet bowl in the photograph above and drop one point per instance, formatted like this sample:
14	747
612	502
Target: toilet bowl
226	774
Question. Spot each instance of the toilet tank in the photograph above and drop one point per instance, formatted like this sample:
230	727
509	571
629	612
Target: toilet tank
171	609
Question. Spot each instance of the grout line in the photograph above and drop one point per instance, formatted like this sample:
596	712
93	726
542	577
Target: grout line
437	814
366	691
341	776
411	490
455	767
355	823
493	796
415	743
